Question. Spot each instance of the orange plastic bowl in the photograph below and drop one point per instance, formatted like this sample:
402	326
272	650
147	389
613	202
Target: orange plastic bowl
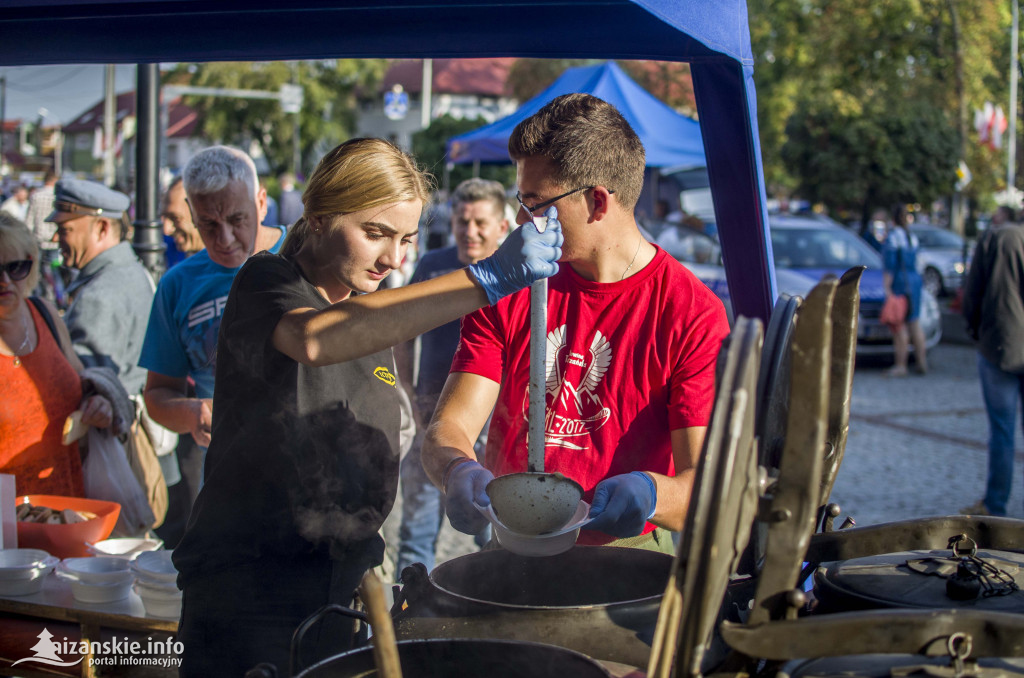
68	541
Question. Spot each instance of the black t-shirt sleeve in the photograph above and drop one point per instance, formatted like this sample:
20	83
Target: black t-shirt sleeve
267	287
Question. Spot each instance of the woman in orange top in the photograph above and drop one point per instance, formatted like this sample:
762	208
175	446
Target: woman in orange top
41	383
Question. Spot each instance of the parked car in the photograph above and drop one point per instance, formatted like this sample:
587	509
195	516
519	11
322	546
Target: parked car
940	259
806	248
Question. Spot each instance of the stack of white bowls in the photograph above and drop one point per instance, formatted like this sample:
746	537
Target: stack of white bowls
23	571
97	579
156	583
124	547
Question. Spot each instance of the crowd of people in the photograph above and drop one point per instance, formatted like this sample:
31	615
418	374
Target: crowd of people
268	350
306	392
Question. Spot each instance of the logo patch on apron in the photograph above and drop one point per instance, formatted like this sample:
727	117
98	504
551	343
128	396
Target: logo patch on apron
384	375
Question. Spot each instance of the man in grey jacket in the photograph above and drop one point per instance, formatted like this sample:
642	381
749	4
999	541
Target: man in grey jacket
993	306
113	293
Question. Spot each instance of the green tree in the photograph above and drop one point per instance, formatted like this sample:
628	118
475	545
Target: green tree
874	59
848	155
430	148
328	111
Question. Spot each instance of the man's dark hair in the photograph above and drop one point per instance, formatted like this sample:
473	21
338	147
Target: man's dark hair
589	142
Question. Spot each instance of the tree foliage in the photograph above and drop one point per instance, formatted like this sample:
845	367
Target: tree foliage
328	111
868	91
429	146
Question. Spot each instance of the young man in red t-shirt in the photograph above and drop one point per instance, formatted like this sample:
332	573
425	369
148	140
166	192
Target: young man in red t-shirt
633	338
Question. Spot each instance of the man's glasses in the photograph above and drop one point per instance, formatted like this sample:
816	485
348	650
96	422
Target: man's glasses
541	205
17	270
547	203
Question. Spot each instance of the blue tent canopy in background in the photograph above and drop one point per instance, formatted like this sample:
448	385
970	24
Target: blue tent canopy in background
670	139
714	37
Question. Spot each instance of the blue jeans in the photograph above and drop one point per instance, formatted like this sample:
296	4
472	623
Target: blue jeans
422	512
1003	393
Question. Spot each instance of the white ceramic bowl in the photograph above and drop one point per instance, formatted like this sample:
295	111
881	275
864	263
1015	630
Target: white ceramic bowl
160	600
126	547
548	544
155	567
96	570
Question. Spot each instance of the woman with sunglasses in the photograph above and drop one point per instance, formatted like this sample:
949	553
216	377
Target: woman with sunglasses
40	377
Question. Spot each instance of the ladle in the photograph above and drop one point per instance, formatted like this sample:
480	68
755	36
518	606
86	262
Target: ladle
536	502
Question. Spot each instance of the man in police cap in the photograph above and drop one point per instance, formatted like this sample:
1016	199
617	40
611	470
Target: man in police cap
112	295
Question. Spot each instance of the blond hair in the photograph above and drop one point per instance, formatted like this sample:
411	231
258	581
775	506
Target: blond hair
357	175
17	242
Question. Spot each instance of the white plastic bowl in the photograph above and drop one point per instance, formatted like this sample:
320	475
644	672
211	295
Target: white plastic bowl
23	571
548	544
155	567
24	563
100	593
26	586
160	600
96	570
126	547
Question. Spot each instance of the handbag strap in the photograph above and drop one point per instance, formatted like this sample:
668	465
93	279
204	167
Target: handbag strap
47	318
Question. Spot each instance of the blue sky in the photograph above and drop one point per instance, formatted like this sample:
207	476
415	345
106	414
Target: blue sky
65	91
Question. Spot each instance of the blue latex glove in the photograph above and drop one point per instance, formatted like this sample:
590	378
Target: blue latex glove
525	257
467	483
623	504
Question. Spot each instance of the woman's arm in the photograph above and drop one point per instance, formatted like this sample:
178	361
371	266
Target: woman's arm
368	323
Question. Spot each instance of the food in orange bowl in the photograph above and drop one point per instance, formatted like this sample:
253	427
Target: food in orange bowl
68	540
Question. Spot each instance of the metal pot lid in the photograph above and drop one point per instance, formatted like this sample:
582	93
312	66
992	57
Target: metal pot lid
898	666
581	576
923	579
722	506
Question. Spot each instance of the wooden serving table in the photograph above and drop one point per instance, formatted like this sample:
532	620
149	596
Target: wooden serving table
23	618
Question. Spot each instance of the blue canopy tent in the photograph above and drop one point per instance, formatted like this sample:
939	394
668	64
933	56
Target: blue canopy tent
669	138
712	36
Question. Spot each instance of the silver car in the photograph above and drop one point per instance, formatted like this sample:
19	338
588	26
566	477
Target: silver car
941	259
805	249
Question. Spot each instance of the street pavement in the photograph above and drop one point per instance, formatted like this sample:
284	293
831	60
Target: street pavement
917	447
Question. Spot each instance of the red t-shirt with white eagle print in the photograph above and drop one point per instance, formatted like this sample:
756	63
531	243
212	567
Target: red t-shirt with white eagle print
627	362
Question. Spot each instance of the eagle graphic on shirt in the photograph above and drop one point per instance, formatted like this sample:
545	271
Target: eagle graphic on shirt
573	379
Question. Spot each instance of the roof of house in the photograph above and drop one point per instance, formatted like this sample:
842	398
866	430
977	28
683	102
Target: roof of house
487	77
181	119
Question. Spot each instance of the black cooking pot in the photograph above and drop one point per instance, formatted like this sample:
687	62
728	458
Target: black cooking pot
456	658
598	600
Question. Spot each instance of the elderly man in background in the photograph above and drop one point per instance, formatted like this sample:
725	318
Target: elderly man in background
177	220
227	207
478	225
17	204
111	297
40	204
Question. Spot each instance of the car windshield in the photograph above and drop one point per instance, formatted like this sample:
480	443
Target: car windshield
937	237
821	248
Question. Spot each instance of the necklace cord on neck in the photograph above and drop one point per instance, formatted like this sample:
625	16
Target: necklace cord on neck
631	261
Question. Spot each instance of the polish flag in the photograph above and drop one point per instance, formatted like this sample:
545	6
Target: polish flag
990	123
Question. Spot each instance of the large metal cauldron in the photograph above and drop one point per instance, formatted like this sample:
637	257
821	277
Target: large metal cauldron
598	600
458	658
